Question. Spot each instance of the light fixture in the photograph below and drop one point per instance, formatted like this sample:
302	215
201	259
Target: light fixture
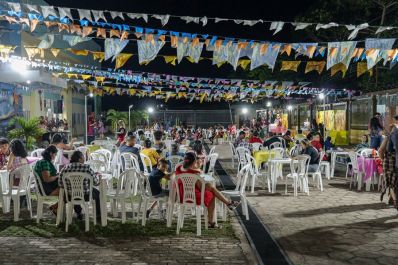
321	96
131	106
28	82
290	107
269	104
19	66
91	95
150	110
244	110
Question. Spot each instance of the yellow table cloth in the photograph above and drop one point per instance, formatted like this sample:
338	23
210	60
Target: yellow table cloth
263	156
93	148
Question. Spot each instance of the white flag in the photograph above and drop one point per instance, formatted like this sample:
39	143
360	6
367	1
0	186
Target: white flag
64	12
277	26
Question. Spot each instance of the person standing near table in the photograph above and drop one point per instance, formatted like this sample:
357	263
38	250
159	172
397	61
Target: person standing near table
387	153
394	140
375	129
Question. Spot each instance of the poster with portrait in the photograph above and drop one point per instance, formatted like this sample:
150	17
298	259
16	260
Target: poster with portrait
329	120
339	120
10	106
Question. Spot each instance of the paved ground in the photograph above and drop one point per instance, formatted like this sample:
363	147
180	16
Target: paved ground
337	226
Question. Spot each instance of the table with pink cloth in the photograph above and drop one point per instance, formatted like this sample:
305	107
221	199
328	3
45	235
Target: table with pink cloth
369	166
32	159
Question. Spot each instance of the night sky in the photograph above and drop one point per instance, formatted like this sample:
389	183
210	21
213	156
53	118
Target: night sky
266	10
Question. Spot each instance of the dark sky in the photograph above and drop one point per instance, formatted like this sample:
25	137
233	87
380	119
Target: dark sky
242	9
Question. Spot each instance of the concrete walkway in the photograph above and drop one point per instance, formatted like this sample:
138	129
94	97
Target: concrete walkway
336	226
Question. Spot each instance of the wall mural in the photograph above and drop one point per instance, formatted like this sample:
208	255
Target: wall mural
10	106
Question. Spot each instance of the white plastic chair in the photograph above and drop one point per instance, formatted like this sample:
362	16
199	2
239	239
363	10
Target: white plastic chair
37	152
41	196
146	197
255	173
317	175
212	150
256	146
275	145
241	152
188	200
239	190
211	159
356	174
127	161
123	192
366	152
234	155
74	193
14	193
299	173
147	164
107	154
174	161
279	152
101	157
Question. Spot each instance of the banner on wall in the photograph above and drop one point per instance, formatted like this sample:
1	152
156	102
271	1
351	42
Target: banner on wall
10	106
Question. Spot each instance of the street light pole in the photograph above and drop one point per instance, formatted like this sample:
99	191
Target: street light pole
130	117
85	116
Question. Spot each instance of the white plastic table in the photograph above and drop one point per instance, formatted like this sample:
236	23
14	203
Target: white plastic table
274	163
333	160
4	185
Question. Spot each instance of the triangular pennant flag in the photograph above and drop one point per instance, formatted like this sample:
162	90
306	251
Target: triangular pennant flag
33	24
315	66
164	19
48	11
113	47
47	41
16	7
300	26
79	52
101	32
87	31
55	51
64	12
362	67
100	56
290	65
85	77
98	14
277	26
84	13
121	59
337	68
115	14
171	59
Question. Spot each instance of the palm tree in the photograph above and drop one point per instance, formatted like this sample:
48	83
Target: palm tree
28	130
114	116
137	117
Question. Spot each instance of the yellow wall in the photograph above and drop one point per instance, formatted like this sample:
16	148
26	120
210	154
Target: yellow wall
355	135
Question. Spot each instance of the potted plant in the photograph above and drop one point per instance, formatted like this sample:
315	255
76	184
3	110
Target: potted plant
28	130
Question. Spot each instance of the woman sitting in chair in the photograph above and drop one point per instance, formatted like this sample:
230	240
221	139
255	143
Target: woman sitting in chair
17	158
46	171
211	192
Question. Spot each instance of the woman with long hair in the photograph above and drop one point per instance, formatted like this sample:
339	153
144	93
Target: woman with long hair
121	132
17	158
46	171
211	193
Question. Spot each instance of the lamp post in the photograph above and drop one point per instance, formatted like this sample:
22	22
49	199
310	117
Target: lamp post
85	114
244	112
322	97
289	108
130	116
269	104
150	111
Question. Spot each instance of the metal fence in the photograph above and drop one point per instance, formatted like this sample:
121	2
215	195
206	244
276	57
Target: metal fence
200	118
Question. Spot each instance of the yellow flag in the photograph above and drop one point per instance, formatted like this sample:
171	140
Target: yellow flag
286	48
55	51
362	67
337	68
121	59
100	56
87	31
315	66
85	77
202	97
220	64
244	63
100	78
171	59
33	24
132	91
290	65
79	52
72	75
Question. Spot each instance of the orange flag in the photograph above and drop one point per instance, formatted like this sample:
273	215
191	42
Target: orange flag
121	59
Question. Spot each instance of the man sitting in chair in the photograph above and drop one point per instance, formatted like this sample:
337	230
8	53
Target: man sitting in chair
77	166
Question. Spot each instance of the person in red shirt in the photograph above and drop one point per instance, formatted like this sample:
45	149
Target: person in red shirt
211	193
255	139
316	143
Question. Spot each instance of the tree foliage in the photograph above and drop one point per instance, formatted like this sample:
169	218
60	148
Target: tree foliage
114	116
28	130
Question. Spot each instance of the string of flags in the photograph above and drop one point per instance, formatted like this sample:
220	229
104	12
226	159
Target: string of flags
100	16
188	45
161	86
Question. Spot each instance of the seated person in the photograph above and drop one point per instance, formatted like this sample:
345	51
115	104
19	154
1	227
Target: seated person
129	147
364	143
200	153
77	165
328	143
272	139
17	158
255	139
288	138
151	153
211	193
158	144
4	152
155	178
308	149
299	136
47	173
240	140
316	142
59	141
141	137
